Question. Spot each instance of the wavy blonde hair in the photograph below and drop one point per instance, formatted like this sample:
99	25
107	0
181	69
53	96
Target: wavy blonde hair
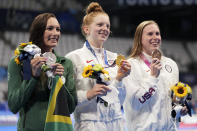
137	44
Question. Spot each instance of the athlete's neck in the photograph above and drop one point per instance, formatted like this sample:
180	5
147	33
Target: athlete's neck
95	44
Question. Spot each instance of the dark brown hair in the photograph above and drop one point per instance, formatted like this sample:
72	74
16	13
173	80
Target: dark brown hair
38	27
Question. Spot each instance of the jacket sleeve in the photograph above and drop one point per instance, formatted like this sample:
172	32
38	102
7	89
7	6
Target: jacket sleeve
119	85
79	83
140	91
70	86
82	86
19	90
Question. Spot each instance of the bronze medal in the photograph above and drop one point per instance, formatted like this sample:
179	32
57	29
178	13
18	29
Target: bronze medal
156	54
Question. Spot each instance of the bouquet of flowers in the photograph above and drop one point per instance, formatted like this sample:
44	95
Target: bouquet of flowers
26	51
181	94
96	72
23	55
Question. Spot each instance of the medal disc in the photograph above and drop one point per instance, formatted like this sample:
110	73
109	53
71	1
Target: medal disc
51	58
156	54
119	60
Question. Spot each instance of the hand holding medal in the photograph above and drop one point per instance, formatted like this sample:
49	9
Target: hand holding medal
124	67
156	64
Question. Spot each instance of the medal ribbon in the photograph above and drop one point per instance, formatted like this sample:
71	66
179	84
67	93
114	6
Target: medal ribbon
99	99
93	52
145	60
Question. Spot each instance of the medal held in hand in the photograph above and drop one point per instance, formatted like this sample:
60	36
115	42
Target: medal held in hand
51	59
156	54
119	60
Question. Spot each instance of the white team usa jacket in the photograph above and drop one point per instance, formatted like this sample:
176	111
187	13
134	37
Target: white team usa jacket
90	109
148	102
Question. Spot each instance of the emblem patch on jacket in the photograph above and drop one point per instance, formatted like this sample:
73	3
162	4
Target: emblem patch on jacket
168	68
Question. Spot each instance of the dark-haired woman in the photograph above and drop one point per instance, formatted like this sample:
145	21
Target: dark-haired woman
30	97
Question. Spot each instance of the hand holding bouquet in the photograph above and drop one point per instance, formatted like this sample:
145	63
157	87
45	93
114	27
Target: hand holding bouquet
181	94
102	77
25	52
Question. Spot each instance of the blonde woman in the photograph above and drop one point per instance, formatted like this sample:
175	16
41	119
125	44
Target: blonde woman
148	101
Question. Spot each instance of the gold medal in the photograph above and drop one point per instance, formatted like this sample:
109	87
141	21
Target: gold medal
119	60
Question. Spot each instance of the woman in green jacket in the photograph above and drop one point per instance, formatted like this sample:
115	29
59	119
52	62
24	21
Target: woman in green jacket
31	97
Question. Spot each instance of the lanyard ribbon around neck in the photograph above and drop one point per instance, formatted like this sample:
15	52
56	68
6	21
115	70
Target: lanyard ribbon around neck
145	60
93	52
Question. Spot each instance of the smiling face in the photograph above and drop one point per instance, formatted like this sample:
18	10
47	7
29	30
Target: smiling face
98	31
51	34
151	38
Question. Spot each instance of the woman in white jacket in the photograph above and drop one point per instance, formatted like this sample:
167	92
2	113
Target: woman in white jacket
148	101
91	115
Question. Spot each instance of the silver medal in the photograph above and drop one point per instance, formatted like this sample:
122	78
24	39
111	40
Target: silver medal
51	58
